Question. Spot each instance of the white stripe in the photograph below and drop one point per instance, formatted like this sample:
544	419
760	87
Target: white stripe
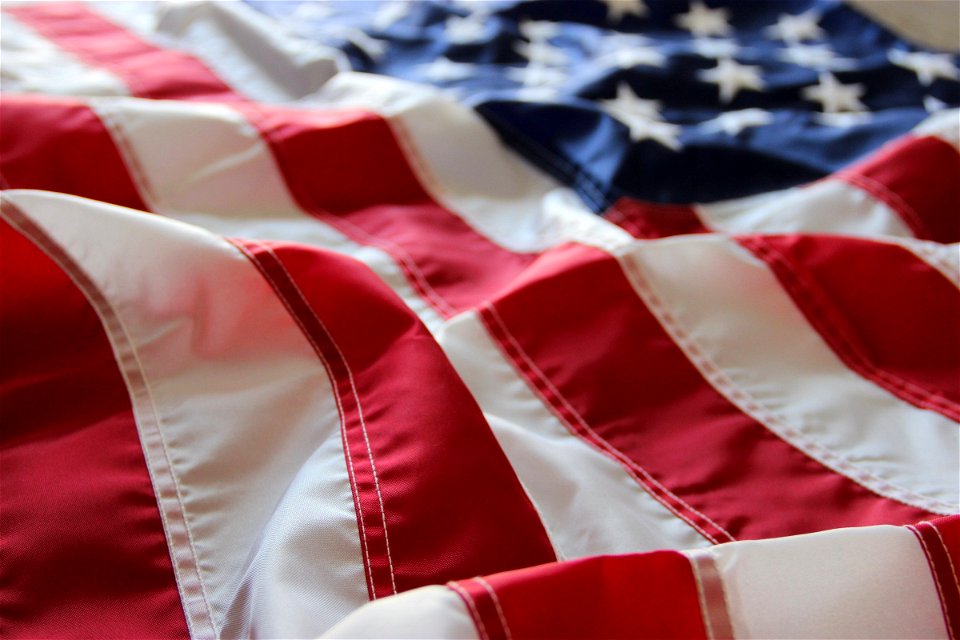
242	47
427	612
589	504
872	582
221	175
944	125
827	206
734	321
33	64
489	186
244	408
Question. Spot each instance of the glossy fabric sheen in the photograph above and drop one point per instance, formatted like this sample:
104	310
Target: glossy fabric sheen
362	184
452	505
889	315
59	144
72	469
652	595
605	357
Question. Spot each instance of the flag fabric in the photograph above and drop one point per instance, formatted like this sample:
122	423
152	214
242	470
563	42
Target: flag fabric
508	319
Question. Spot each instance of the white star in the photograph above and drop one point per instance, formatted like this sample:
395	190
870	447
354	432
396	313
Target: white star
466	30
628	58
390	13
733	122
835	97
537	75
642	117
933	104
927	66
709	48
816	56
704	21
730	77
797	28
535	94
842	120
538	29
443	70
541	52
617	9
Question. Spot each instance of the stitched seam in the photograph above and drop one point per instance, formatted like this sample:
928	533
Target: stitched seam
936	579
845	347
560	405
776	424
946	552
356	396
893	200
406	263
496	602
471	607
74	271
336	396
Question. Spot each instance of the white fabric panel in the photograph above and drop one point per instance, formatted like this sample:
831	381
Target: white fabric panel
871	582
427	612
490	187
33	64
244	409
747	337
589	504
221	175
241	46
827	206
944	125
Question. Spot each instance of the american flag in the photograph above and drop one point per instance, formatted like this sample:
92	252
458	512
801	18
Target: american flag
530	319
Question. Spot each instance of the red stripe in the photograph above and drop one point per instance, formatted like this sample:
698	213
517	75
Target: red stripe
886	313
613	375
348	169
147	71
655	220
61	145
72	468
940	541
917	178
652	595
433	508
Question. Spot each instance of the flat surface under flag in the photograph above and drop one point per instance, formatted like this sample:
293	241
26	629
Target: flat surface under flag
625	319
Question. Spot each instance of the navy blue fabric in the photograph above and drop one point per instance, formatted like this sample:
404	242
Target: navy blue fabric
564	125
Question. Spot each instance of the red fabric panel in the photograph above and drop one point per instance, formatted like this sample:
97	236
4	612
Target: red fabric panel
917	178
607	368
652	595
653	219
886	313
60	145
436	497
83	548
147	71
940	540
348	170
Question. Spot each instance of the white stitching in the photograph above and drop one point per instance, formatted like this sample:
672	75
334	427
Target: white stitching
632	466
336	397
753	407
496	602
474	613
936	578
356	397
